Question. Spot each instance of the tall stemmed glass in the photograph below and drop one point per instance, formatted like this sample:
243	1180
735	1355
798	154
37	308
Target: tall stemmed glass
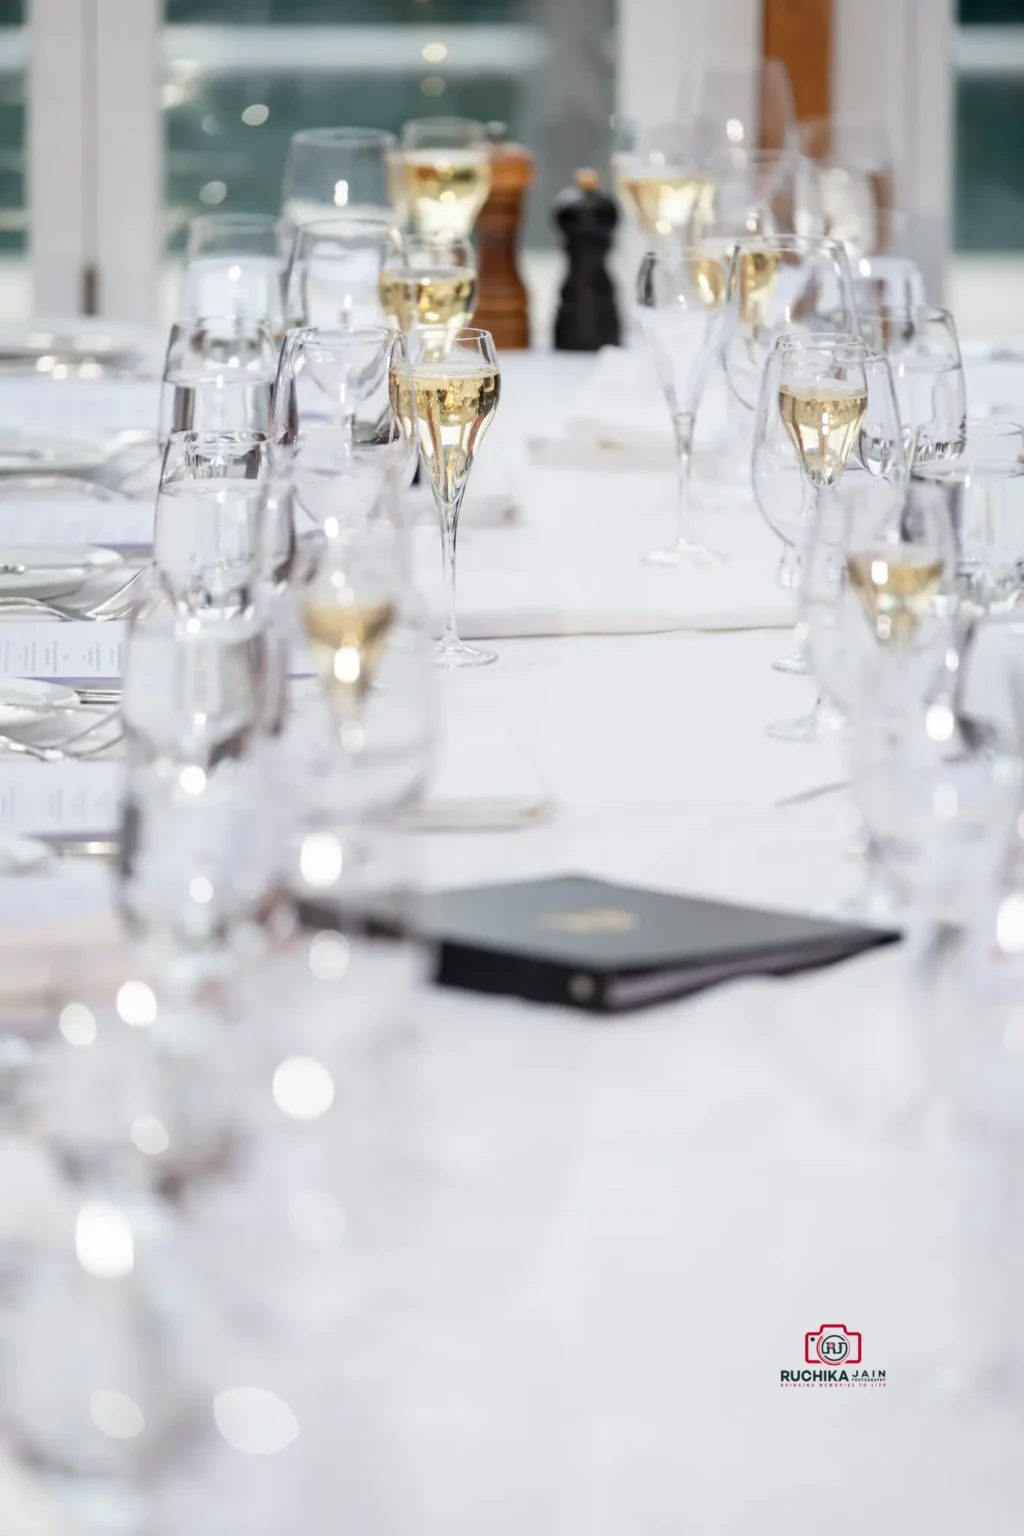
836	400
852	161
680	295
740	107
422	285
446	176
334	271
781	285
337	170
444	390
658	178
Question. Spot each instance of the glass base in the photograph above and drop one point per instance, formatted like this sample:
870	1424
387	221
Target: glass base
823	720
685	555
795	662
456	653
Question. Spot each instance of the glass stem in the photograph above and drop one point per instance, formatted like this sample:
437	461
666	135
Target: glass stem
683	423
448	513
788	574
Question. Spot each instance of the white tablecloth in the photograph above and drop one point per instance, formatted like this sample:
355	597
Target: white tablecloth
585	1250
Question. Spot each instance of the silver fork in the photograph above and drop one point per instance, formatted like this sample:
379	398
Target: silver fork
64	754
117	605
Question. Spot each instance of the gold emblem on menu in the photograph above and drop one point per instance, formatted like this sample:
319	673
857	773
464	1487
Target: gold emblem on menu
591	920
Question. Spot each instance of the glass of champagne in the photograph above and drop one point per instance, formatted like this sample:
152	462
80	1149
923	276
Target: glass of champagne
422	285
680	298
657	176
334	270
446	176
337	170
218	376
836	400
781	285
445	388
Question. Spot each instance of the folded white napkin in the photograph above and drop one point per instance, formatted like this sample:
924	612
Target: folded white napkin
620	415
483	782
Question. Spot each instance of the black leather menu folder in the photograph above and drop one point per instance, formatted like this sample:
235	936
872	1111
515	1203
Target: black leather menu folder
610	948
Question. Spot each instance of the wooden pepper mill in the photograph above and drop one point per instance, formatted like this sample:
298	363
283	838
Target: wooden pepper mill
503	306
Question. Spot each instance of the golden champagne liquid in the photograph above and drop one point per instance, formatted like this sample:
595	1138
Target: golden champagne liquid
454	407
400	395
416	296
756	277
346	644
445	190
895	593
662	202
822	421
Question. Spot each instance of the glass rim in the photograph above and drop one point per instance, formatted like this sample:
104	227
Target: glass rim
933	311
236	220
789	241
235	322
831	341
332	335
363	138
324	224
453	122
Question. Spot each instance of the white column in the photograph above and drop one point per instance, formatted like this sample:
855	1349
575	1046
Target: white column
893	60
129	157
59	152
662	41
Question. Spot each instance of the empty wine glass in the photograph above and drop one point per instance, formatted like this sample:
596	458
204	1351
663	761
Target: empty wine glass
658	179
422	284
928	372
445	389
332	422
887	282
739	106
218	376
337	170
445	167
835	396
334	271
751	193
680	295
852	159
235	266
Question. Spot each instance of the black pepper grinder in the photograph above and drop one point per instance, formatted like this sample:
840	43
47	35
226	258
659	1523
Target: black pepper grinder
587	315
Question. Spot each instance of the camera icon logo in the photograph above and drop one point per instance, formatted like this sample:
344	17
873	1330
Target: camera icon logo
833	1344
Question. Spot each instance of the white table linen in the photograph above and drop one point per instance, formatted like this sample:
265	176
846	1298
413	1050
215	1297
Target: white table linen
581	1252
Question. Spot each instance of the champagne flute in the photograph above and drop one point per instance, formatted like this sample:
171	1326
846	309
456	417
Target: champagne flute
334	270
836	395
680	295
348	611
445	388
657	176
337	170
446	175
422	285
778	285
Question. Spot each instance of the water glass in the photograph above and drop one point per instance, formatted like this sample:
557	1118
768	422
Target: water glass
334	270
211	516
218	376
337	170
853	160
924	354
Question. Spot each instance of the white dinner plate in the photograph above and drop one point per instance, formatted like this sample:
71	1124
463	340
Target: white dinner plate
28	707
51	570
24	452
23	855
